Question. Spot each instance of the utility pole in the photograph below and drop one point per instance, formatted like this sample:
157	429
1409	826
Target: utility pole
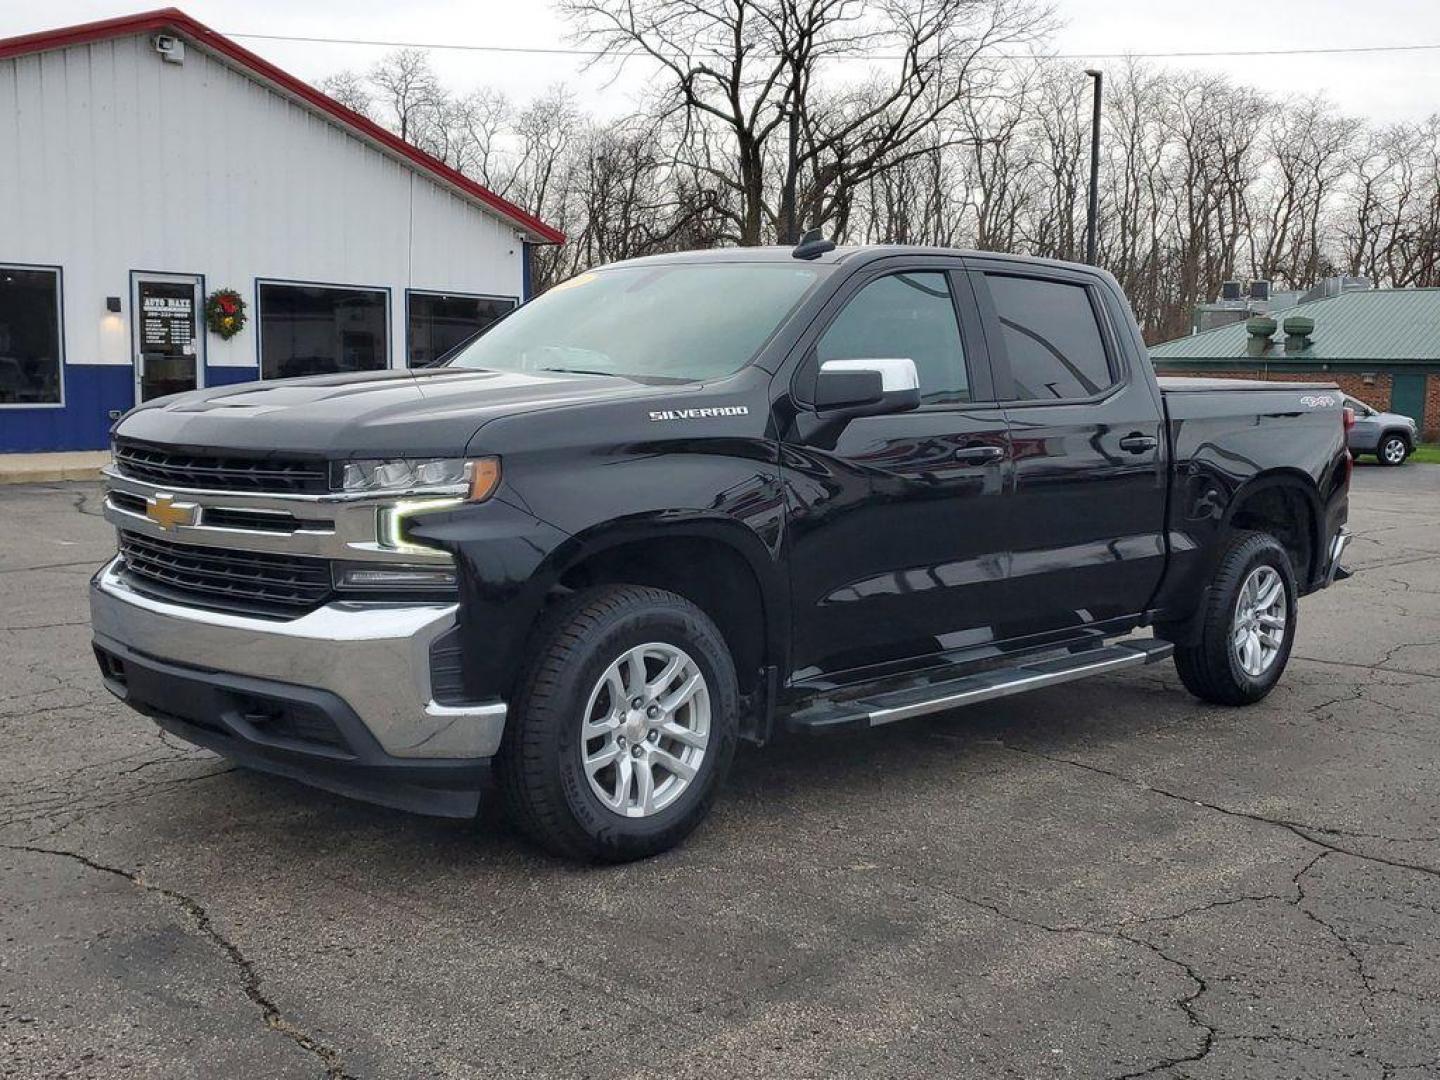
1092	216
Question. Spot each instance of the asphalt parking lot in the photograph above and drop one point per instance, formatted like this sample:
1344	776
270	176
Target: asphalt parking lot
1103	880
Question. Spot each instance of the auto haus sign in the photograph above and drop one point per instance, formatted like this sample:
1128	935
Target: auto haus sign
167	319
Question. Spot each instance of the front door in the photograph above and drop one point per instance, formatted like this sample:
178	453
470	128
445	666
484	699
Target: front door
897	525
168	339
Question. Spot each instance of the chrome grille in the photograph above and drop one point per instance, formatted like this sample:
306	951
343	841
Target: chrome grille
249	581
169	467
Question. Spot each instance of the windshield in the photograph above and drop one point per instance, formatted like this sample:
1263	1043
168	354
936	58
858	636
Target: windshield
683	321
1358	405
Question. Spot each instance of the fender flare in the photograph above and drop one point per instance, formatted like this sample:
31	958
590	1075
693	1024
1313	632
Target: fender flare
1289	479
697	525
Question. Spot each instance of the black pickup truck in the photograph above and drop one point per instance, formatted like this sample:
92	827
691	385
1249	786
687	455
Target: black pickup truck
692	499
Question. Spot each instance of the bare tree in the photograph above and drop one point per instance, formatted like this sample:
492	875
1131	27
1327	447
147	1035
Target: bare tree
1309	148
406	87
350	90
749	69
895	121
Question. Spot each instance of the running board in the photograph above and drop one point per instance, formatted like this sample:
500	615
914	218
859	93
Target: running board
826	716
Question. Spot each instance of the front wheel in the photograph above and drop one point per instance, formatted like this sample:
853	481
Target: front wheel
1248	625
1393	450
625	725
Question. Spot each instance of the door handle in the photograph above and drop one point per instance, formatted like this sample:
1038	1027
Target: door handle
979	455
1139	444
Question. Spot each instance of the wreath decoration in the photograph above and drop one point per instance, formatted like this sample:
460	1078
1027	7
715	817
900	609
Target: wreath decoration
225	313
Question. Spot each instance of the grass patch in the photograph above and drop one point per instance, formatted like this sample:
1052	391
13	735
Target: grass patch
1426	454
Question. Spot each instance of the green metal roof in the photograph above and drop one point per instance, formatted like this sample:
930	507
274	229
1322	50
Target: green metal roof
1371	327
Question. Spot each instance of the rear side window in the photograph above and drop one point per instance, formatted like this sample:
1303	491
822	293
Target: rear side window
1052	338
904	315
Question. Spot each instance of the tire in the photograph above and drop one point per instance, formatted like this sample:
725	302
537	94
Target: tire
1392	451
1214	668
585	646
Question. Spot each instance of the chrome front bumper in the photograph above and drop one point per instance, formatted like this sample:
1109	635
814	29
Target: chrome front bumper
374	658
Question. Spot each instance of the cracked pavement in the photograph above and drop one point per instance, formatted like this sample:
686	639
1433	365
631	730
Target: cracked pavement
1103	880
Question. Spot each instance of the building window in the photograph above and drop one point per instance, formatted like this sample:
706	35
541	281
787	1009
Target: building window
29	336
318	329
438	322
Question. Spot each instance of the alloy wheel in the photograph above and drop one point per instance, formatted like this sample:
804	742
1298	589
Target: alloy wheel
1257	632
645	730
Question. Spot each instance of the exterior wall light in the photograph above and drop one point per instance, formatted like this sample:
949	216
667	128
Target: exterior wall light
112	303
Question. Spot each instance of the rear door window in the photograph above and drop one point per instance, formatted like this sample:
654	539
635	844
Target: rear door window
1051	337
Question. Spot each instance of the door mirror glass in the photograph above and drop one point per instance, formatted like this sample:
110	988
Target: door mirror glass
867	387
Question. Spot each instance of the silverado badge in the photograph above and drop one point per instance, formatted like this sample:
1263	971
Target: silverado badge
699	414
168	514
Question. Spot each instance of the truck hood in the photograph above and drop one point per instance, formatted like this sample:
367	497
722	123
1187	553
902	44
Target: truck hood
427	412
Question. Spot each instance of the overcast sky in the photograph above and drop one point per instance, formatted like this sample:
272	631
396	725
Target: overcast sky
1382	87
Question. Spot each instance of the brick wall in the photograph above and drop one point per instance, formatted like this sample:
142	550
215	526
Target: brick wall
1376	394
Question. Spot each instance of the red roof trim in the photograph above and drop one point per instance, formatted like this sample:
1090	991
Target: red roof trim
179	22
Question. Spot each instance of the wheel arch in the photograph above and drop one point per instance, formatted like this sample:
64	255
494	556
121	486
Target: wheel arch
717	563
1286	504
1403	434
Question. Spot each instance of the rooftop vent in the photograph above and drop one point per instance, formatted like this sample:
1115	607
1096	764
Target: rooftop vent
1299	330
1260	328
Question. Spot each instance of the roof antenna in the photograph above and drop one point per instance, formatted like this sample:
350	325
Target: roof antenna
812	245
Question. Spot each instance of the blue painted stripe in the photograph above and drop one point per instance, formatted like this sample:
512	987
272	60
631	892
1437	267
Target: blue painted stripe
91	391
229	376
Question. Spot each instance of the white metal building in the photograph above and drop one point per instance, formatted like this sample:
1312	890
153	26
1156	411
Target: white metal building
148	162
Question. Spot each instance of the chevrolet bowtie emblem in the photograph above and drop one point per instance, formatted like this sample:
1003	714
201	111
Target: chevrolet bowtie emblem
168	514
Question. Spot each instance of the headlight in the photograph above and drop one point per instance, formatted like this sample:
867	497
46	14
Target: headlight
475	479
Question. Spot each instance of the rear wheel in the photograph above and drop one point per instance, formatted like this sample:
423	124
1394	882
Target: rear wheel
1393	450
625	725
1248	625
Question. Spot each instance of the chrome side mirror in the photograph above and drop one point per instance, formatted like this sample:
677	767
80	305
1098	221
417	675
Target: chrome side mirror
867	387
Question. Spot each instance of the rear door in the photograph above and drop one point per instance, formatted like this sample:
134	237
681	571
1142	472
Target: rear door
1086	521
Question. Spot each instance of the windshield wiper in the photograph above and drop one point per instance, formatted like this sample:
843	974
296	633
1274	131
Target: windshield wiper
580	371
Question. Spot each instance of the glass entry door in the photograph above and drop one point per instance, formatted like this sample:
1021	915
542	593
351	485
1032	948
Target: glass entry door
169	342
